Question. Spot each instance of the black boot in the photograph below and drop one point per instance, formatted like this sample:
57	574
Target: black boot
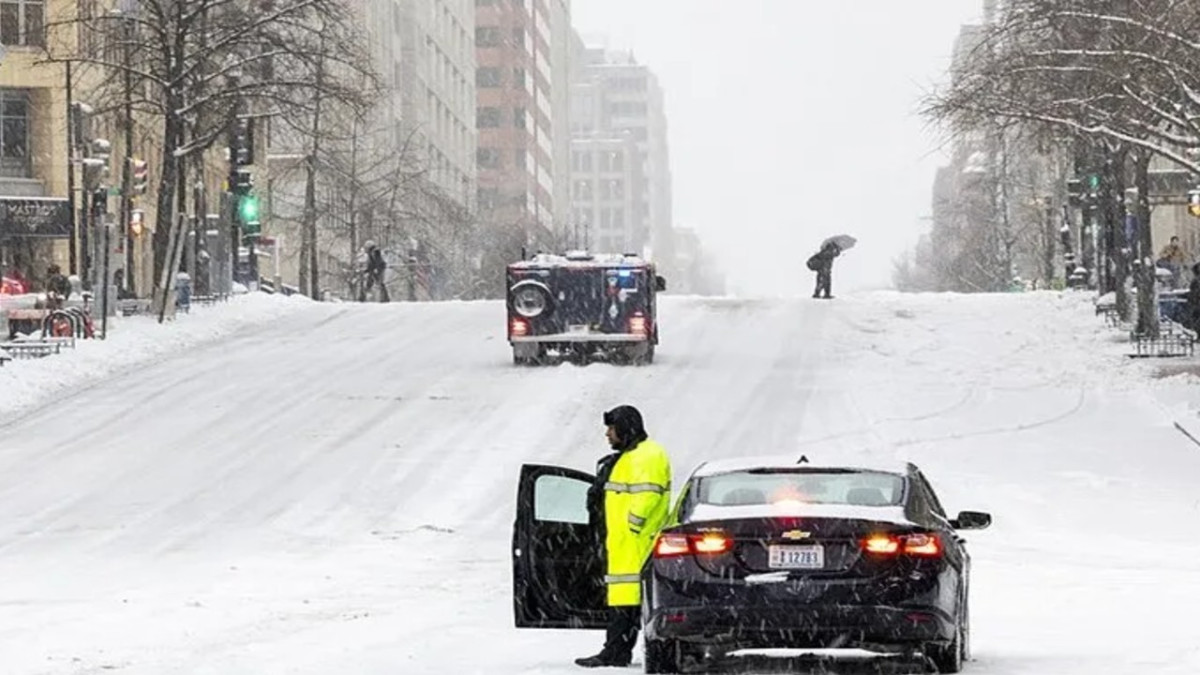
603	660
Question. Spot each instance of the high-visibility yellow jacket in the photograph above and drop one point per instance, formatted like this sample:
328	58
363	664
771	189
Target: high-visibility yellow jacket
636	499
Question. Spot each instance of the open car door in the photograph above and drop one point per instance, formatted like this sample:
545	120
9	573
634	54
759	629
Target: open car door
558	569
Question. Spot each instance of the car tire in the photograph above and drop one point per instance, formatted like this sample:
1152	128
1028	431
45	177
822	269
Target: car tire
661	656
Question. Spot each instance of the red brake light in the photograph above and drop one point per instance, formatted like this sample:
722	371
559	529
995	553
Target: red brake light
707	543
926	545
638	325
882	544
921	544
670	545
518	327
712	543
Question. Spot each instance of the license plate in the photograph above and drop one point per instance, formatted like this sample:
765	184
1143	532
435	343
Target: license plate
578	328
796	557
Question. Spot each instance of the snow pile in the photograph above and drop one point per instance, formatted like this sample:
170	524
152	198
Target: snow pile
1010	339
134	341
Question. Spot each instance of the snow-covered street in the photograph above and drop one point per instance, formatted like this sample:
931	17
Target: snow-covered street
333	491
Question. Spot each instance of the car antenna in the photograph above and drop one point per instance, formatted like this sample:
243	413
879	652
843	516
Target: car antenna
803	459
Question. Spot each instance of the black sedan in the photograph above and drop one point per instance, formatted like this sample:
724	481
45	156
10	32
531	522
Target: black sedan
775	553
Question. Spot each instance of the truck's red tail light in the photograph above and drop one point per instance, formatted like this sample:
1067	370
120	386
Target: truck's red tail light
922	545
639	325
709	543
518	327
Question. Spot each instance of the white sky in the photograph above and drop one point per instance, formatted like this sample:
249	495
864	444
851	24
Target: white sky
792	120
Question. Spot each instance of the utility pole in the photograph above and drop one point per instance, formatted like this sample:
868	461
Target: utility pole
72	140
128	9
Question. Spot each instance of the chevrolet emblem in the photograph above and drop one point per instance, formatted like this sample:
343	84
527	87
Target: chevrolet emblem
796	534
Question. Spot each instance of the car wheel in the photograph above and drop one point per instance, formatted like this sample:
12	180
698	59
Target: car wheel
661	656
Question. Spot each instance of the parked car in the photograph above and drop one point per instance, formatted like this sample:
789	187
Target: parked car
762	553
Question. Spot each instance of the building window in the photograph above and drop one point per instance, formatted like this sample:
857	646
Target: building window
618	218
487	118
519	158
486	199
612	161
487	36
582	189
21	23
487	78
487	158
612	189
581	160
519	118
518	78
14	134
518	36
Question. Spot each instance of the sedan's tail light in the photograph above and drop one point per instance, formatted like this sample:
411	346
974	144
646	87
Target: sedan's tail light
670	545
922	545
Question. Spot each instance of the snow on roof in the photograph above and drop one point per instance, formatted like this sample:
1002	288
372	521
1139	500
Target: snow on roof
581	258
815	461
792	509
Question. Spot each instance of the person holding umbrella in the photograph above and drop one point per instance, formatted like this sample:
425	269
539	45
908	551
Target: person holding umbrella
821	262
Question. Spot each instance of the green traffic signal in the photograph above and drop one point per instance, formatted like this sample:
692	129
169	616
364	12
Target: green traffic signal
248	208
1093	181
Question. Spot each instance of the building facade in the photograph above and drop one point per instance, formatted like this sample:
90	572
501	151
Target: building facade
424	54
515	114
35	219
614	97
606	183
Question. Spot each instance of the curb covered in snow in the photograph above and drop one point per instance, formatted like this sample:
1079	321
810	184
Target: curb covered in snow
134	341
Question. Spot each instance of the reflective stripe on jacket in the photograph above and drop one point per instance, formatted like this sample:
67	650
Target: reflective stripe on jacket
636	503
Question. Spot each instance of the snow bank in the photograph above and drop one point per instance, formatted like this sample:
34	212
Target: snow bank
134	341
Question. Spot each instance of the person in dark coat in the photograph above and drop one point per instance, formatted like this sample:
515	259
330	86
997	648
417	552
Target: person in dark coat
58	287
376	267
822	263
1191	306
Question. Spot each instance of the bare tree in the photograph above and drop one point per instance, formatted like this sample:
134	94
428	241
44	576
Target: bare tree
1119	75
193	64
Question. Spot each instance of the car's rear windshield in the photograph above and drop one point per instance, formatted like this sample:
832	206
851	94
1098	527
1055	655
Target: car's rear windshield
769	486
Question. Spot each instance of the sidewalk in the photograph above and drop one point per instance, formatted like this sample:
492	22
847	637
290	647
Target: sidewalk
134	341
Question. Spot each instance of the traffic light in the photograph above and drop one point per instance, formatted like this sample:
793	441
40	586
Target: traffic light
243	182
1194	202
1075	191
241	143
248	209
141	175
95	165
246	203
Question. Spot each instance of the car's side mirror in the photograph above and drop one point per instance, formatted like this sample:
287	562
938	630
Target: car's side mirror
971	520
660	284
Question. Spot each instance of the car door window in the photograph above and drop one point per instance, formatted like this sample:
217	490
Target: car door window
558	499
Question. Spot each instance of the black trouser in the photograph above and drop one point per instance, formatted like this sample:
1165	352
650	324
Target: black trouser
623	626
372	277
824	282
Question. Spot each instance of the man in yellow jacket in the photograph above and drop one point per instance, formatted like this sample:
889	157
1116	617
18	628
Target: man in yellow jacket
630	503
